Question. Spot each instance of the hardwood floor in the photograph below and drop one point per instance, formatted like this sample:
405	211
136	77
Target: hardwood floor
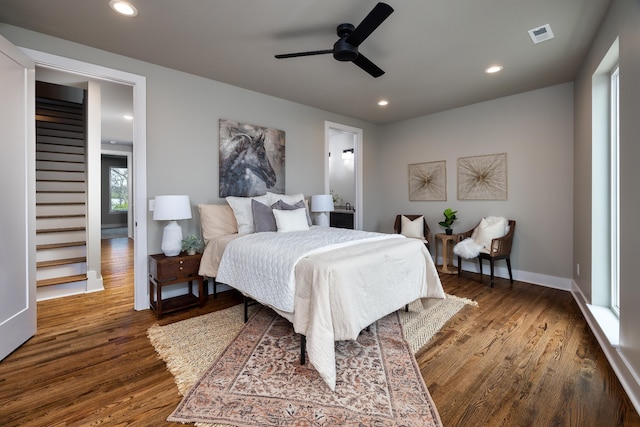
524	357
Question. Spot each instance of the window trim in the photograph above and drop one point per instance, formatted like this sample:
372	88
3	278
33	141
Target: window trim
614	178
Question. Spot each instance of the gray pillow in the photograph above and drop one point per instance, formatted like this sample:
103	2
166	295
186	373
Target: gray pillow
287	207
263	219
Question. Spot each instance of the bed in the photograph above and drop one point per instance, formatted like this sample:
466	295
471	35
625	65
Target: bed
329	283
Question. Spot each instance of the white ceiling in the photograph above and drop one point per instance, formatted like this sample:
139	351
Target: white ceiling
433	51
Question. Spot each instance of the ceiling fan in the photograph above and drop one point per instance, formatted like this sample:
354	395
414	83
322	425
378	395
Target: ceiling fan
346	48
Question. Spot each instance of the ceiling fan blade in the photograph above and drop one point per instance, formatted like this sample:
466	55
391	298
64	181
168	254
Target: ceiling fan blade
378	14
309	53
371	68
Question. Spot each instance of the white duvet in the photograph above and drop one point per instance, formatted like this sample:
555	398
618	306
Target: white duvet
262	264
338	281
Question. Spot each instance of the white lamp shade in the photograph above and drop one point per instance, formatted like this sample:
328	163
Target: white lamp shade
169	208
322	203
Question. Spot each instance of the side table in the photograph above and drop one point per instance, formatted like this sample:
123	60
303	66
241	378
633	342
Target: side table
164	271
448	240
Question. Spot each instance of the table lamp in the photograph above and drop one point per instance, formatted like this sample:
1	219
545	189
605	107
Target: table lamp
171	208
322	203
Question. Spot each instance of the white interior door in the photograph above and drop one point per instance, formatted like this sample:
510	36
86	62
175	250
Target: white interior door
17	192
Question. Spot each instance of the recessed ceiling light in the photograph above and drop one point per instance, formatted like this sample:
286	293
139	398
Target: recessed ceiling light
383	102
493	69
128	117
123	7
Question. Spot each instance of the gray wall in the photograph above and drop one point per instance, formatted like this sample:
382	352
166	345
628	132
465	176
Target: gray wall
535	130
623	21
182	129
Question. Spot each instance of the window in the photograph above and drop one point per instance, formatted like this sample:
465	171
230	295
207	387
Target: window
118	189
614	191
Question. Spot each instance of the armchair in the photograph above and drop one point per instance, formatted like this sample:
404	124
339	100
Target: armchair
500	249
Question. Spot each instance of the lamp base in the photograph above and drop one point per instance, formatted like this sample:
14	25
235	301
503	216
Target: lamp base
171	239
322	219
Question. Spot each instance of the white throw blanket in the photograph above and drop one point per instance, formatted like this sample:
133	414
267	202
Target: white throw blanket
262	264
468	248
341	292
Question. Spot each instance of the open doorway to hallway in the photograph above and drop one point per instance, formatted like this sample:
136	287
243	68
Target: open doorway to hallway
96	77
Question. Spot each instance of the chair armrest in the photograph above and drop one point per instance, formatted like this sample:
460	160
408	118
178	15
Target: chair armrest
502	245
465	235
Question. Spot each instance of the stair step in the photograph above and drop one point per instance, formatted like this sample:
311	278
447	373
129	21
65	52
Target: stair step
59	203
60	180
61	280
64	261
60	161
60	230
62	192
60	216
61	245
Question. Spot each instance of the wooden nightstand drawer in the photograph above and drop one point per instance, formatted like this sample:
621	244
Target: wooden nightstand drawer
164	268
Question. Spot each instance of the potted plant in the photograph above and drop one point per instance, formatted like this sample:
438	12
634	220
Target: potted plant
192	244
449	219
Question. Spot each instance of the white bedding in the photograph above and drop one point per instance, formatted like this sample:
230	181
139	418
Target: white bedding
262	264
337	282
341	292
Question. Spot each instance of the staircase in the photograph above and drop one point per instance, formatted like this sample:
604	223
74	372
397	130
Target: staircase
61	235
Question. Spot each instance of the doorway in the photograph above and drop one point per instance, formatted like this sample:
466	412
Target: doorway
343	169
137	84
115	220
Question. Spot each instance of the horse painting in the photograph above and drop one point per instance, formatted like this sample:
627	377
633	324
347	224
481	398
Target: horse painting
246	164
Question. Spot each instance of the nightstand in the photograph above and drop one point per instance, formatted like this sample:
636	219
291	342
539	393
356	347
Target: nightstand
164	271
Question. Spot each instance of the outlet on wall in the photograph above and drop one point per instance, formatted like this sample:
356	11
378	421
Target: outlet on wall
578	269
152	203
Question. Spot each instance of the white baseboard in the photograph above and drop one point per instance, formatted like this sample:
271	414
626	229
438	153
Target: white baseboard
501	270
94	283
624	371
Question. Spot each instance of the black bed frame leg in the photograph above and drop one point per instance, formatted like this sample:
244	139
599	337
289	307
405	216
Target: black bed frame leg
406	308
303	349
246	308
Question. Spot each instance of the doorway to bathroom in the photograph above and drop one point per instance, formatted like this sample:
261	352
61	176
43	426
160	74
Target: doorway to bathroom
343	174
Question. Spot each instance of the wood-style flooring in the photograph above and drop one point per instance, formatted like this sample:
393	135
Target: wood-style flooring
523	357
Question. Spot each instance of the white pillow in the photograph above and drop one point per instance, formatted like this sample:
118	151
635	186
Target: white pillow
414	229
483	223
494	228
290	199
293	220
242	211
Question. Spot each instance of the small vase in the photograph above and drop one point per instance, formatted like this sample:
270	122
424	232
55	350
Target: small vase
191	252
448	231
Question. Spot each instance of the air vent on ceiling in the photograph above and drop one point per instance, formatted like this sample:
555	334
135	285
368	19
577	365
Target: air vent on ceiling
541	34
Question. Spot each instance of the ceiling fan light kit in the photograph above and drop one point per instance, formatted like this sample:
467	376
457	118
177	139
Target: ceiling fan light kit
350	37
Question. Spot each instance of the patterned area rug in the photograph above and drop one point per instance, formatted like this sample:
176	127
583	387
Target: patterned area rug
257	379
